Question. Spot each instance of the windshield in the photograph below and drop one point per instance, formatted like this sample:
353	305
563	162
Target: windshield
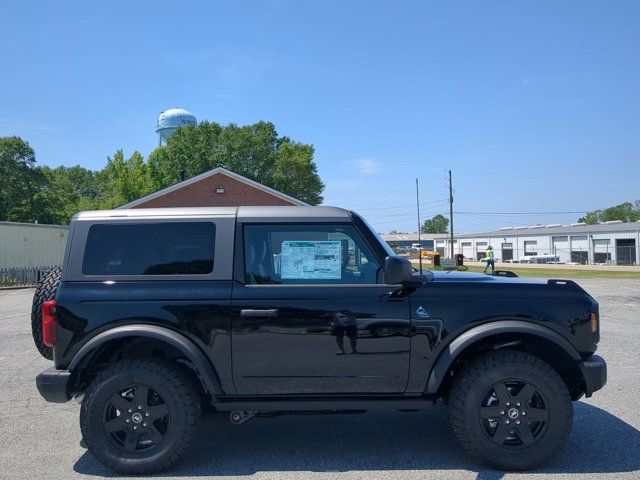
389	251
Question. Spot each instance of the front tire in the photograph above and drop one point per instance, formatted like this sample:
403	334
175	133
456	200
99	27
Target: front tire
139	416
511	410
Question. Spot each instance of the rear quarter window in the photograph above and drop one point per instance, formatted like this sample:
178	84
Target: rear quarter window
171	248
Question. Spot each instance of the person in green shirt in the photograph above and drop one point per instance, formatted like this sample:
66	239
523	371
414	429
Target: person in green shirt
490	260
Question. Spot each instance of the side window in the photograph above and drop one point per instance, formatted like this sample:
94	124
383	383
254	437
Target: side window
176	248
307	254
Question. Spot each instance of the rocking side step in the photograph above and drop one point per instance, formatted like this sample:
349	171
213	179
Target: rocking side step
315	404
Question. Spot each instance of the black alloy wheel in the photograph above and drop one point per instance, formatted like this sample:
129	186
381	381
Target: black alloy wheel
510	409
140	415
513	414
136	417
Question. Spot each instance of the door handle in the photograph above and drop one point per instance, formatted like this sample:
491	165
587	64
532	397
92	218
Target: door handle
259	313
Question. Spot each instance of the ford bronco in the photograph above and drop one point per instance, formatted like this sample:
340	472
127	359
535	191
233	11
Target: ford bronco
158	313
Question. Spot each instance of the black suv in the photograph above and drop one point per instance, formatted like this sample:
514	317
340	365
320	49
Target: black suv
256	310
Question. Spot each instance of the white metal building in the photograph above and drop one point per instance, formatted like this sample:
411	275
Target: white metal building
31	245
613	243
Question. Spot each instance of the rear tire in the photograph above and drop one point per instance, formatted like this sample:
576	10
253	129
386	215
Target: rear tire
46	290
139	416
511	410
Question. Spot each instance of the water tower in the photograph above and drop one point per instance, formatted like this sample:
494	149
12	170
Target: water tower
171	119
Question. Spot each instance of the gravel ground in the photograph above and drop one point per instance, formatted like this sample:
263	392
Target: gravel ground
41	440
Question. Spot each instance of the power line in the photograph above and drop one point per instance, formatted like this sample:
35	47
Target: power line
390	215
387	191
442	201
467	221
518	213
412	217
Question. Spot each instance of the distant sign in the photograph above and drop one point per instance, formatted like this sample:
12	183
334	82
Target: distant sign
448	262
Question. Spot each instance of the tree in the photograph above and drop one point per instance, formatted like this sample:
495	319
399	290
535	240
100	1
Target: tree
627	212
125	179
31	193
254	151
295	173
20	181
68	190
437	224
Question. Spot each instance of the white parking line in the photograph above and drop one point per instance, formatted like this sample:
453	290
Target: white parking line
628	288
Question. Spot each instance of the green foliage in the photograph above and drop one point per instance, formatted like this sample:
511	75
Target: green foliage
125	179
627	212
437	224
295	172
30	193
66	191
20	181
254	151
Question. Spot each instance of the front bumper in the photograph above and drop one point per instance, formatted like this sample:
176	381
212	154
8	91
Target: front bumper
594	371
54	385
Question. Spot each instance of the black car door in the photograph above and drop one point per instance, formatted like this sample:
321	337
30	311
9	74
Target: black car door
311	315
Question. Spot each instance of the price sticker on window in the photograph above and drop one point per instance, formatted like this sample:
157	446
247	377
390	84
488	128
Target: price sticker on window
309	260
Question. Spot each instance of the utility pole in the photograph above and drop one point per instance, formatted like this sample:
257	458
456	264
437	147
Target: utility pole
451	212
419	226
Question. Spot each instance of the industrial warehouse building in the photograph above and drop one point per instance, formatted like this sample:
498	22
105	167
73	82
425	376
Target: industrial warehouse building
31	244
609	243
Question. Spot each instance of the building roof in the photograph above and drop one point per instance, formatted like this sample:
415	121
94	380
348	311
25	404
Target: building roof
576	229
202	176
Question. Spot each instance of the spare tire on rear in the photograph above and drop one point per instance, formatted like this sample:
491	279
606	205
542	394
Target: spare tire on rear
46	290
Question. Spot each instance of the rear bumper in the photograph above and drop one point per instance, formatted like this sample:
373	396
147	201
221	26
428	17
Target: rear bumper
594	370
53	385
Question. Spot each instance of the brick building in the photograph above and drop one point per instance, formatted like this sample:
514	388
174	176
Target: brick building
216	188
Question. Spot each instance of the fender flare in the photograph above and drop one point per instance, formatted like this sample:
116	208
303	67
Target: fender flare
204	369
471	336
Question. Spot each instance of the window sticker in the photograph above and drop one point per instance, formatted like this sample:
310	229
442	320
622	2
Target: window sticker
311	260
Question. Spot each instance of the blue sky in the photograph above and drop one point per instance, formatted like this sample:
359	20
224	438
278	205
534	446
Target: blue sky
535	106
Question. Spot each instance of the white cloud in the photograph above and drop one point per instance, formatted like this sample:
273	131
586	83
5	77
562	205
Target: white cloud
368	166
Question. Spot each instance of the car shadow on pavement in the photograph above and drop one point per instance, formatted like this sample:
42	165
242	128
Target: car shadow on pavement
384	441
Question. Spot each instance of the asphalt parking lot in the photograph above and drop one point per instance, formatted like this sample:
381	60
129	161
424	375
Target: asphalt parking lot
41	440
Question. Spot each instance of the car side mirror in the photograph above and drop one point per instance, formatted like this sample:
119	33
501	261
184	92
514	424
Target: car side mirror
397	270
